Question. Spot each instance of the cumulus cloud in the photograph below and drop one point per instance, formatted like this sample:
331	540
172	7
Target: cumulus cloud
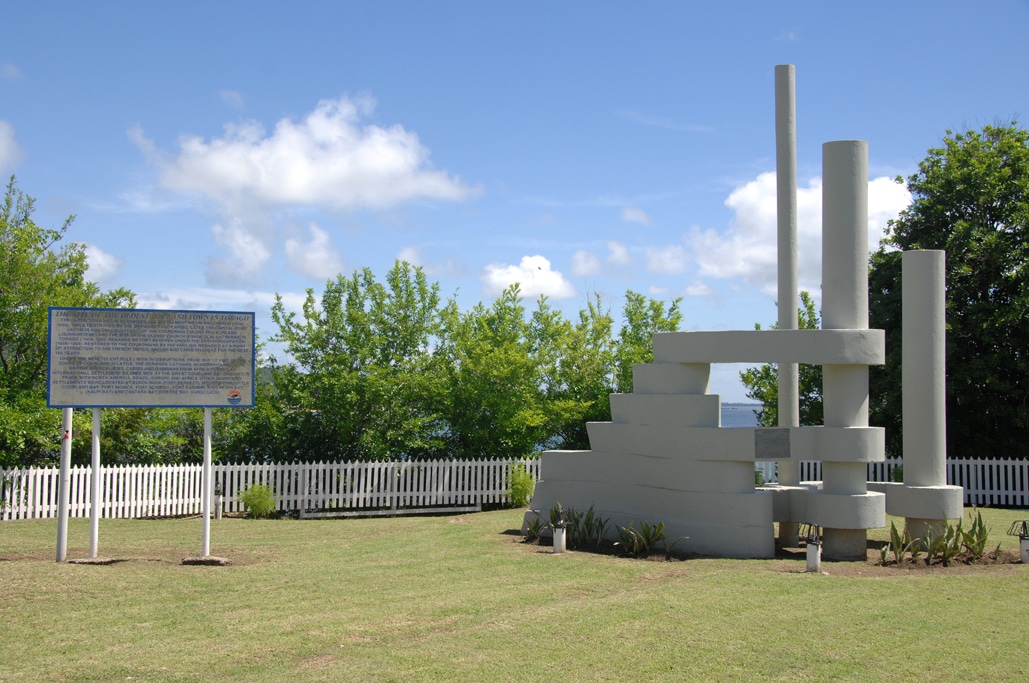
534	276
586	264
316	257
669	259
634	215
618	254
248	255
747	250
330	159
10	150
103	268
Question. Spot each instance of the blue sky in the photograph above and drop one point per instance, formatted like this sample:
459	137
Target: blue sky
218	153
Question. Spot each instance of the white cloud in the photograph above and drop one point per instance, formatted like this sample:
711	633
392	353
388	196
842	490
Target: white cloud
233	98
669	259
414	256
10	150
534	276
748	249
330	159
103	268
618	254
214	299
9	71
700	289
248	251
316	257
634	215
586	264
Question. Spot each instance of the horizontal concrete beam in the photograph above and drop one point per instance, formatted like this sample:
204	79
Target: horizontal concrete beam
812	347
829	444
683	410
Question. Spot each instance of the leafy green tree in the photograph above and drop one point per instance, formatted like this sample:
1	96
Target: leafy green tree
642	318
762	382
35	274
495	406
364	385
970	197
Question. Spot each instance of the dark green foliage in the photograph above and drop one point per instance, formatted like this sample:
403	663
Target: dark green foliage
644	541
763	382
970	197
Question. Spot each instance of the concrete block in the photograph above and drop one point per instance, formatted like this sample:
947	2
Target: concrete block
684	410
815	347
671	378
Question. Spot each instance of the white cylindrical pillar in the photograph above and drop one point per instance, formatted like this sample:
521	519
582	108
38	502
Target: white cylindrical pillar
207	489
94	489
923	374
845	307
63	488
786	205
814	556
560	544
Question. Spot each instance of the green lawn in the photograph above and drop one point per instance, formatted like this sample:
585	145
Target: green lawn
460	599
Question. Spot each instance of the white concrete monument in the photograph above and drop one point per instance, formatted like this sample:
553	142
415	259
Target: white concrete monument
664	456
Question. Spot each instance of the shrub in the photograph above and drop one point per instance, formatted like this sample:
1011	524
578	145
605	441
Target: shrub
522	485
258	500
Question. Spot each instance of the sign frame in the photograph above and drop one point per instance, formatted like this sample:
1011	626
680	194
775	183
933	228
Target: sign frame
154	348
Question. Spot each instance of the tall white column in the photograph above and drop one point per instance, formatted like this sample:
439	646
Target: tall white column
63	490
923	325
786	204
94	489
207	488
845	306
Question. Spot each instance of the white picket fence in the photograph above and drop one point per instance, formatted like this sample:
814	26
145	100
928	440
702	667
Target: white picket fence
135	491
170	490
986	482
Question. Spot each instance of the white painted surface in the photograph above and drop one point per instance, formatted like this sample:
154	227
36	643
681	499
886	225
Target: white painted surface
924	368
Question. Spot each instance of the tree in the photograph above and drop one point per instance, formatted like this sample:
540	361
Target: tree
970	197
34	275
364	385
762	382
642	318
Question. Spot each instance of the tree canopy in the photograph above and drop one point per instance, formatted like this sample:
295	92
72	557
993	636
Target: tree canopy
36	272
970	197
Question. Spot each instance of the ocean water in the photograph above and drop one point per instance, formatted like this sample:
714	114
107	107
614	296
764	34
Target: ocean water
739	414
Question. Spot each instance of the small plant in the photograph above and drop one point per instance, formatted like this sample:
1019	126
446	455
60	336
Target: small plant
558	517
522	485
643	541
900	543
897	474
934	544
259	501
974	540
759	477
586	529
952	543
534	530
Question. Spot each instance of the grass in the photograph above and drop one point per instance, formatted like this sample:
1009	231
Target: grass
460	599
